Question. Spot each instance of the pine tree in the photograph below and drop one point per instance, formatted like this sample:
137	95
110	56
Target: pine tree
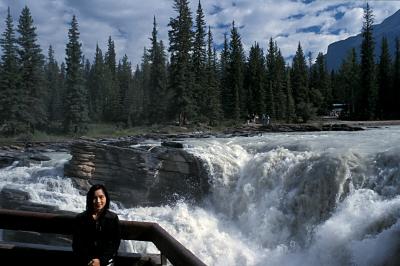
280	97
53	101
86	70
269	100
275	78
199	65
63	91
299	76
181	76
9	80
270	78
213	97
124	75
158	79
136	117
224	79
319	82
290	114
368	95
97	88
113	105
255	81
110	57
33	109
145	81
236	96
384	82
348	88
76	116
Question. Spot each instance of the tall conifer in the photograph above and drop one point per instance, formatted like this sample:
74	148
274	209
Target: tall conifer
299	77
124	75
97	87
270	77
113	105
224	79
236	97
199	64
31	61
76	114
9	78
290	114
53	99
181	75
348	88
213	97
255	81
368	95
384	82
158	79
145	83
279	88
319	82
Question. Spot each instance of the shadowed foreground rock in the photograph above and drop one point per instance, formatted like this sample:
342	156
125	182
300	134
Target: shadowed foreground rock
14	199
147	176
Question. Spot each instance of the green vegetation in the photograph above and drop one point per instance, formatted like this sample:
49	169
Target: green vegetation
40	98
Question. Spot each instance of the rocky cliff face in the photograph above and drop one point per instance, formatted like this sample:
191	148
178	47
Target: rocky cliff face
138	176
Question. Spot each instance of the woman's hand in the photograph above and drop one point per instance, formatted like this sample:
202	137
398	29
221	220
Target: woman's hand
94	262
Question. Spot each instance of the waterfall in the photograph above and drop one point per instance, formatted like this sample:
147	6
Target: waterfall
320	198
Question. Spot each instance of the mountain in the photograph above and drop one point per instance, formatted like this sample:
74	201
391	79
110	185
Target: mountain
390	28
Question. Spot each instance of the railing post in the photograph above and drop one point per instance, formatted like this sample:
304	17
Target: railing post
169	247
163	259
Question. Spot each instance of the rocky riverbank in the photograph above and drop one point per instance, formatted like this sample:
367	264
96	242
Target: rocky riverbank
138	173
149	170
138	176
29	152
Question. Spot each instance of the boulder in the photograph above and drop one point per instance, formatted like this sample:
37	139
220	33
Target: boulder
39	157
14	199
172	144
136	176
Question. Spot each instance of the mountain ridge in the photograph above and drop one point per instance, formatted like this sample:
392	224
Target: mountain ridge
389	27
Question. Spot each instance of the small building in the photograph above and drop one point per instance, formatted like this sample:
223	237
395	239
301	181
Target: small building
337	109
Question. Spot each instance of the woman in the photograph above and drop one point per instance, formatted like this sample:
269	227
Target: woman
96	236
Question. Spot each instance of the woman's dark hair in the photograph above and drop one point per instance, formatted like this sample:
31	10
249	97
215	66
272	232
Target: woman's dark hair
90	197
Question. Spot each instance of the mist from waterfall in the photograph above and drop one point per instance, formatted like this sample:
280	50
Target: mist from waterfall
323	198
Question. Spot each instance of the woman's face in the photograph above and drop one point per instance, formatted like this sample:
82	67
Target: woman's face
99	200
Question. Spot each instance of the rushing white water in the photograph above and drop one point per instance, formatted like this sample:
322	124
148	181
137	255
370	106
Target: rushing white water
326	198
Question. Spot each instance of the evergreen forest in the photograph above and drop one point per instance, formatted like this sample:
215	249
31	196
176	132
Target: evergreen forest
186	81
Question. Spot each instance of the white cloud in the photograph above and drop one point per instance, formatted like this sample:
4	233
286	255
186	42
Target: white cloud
129	23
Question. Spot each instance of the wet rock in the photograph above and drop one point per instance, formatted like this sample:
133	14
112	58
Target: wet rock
39	157
6	160
8	194
172	144
9	158
137	176
15	199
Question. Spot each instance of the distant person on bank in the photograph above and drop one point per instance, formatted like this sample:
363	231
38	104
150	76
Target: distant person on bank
96	236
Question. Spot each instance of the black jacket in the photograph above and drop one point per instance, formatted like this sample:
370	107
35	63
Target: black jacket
96	239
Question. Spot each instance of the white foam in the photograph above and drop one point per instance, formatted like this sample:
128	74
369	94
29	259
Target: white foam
328	198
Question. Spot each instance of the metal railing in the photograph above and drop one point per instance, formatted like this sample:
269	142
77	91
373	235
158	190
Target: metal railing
174	251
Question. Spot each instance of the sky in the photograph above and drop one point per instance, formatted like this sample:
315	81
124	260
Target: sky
315	24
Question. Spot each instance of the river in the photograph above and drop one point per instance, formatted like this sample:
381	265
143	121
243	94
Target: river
320	198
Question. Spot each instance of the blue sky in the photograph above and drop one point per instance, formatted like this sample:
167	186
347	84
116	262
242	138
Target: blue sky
315	24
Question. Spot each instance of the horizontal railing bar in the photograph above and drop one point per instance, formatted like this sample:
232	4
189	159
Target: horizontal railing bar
174	251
